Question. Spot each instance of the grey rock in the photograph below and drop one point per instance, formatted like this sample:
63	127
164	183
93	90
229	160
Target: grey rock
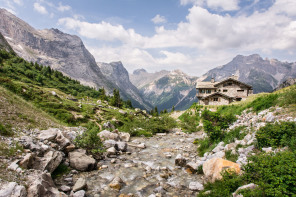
80	161
49	134
196	186
12	189
65	188
107	135
49	162
27	161
79	185
41	184
250	186
111	151
80	193
109	143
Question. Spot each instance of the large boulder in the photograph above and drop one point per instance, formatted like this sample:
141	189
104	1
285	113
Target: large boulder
12	189
212	168
107	135
41	184
80	161
49	162
54	135
49	134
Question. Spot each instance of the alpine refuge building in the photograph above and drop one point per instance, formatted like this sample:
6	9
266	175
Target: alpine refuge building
223	92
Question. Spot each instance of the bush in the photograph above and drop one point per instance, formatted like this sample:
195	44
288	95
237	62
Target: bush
274	173
215	124
90	140
277	135
224	187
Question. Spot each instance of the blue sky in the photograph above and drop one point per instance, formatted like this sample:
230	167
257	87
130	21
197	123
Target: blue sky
191	35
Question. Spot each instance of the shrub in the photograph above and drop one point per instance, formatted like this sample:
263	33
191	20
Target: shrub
224	187
215	124
274	173
90	140
277	135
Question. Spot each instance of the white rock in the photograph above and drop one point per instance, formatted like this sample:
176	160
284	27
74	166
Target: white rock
12	189
196	186
267	150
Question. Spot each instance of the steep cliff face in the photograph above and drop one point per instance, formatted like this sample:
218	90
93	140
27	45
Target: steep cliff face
263	75
166	89
4	44
53	48
117	73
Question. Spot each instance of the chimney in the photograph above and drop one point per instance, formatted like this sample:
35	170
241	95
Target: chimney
213	80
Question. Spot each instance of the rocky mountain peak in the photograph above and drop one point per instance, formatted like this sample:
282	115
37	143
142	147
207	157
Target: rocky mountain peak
139	71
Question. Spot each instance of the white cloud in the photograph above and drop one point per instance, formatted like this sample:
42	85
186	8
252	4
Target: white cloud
203	41
18	2
226	5
158	19
63	8
103	31
39	8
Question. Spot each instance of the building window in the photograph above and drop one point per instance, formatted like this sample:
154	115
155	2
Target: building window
215	99
224	90
202	91
208	91
240	90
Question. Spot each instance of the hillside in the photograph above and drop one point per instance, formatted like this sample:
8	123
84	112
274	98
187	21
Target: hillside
67	54
263	75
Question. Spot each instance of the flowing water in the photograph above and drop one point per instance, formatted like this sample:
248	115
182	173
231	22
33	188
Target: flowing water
147	171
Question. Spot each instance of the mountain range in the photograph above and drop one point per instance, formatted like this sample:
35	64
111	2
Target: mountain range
263	74
164	89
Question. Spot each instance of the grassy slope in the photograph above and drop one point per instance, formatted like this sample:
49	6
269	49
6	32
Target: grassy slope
19	113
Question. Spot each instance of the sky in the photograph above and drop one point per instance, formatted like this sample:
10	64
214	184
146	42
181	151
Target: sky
191	35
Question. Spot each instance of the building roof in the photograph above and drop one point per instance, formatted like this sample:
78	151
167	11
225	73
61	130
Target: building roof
232	79
205	84
217	94
213	85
